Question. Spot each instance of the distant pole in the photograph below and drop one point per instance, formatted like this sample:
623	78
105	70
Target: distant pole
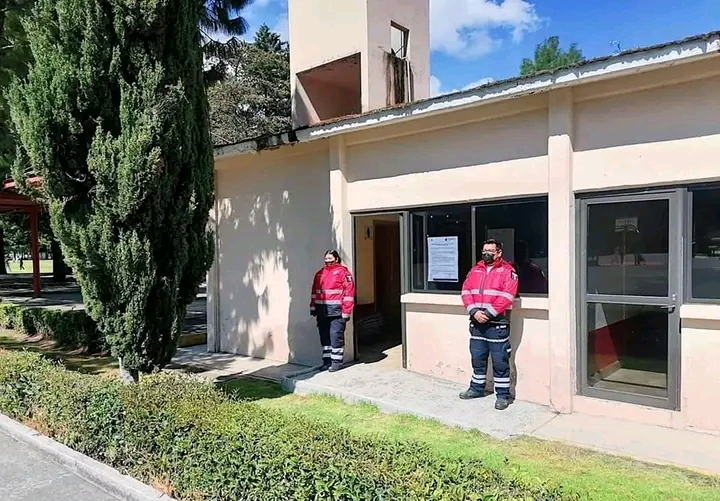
35	252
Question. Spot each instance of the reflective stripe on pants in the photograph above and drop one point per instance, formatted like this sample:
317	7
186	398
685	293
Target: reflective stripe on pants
493	341
332	338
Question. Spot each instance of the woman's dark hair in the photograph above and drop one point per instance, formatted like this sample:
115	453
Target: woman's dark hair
335	254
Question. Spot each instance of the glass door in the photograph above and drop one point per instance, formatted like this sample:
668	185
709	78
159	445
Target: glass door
630	292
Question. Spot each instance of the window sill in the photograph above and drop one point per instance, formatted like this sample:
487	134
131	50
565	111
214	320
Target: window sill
700	311
521	303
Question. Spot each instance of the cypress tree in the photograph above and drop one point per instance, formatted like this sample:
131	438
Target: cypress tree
113	116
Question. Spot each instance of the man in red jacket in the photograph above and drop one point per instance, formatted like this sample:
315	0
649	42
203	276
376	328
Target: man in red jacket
488	293
332	300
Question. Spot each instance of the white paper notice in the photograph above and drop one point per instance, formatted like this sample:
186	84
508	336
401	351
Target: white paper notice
506	236
443	259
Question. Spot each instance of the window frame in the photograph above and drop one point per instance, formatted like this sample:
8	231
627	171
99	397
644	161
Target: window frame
687	247
423	211
404	40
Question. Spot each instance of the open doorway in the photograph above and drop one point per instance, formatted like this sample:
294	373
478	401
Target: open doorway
378	311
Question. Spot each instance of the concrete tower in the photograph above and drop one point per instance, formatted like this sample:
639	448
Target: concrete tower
352	56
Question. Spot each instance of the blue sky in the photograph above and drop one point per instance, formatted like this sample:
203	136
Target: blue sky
473	41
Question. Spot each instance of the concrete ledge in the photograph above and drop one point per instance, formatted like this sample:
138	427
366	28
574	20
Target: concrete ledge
700	311
105	477
520	303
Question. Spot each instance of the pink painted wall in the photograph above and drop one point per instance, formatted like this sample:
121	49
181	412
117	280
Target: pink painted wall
438	342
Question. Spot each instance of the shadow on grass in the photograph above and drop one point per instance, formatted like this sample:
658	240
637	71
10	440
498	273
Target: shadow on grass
250	390
73	359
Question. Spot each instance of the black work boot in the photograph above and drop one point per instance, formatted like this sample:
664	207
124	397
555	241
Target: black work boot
325	366
469	394
501	404
335	366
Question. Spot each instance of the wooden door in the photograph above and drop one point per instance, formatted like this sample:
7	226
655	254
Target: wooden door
387	270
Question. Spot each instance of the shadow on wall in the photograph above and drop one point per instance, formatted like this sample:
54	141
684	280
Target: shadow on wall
275	224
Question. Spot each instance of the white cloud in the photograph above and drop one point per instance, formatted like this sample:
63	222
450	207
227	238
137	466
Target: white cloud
436	86
281	26
465	28
478	83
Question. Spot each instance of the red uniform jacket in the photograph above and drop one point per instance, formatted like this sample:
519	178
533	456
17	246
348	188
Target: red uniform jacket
490	290
333	292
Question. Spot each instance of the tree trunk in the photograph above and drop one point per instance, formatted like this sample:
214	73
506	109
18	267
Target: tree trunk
128	376
3	268
59	267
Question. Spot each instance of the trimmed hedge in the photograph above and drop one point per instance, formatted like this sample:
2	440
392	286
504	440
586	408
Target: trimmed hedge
174	431
68	328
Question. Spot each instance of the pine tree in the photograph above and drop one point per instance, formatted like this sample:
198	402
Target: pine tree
549	56
113	116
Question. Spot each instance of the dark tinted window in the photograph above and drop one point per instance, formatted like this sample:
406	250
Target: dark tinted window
705	266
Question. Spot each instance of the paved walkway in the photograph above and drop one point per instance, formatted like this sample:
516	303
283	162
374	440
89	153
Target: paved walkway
219	366
26	475
401	391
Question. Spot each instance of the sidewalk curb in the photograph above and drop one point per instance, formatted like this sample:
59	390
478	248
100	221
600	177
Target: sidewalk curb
115	483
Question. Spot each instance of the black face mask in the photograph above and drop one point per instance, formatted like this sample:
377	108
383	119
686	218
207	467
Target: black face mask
488	258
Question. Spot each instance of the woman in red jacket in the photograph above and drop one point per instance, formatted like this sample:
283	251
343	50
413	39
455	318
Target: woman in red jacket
332	299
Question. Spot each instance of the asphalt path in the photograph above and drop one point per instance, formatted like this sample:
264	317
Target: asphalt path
27	475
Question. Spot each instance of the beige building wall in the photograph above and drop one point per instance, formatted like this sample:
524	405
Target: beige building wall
273	227
413	15
485	159
321	31
280	209
438	342
650	134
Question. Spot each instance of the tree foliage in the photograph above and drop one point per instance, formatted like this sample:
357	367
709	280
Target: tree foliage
221	18
550	56
14	59
113	116
254	97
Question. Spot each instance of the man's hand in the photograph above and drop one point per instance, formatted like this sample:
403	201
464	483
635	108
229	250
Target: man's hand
480	317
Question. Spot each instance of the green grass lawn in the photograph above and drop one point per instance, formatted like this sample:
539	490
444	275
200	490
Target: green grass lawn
46	266
594	476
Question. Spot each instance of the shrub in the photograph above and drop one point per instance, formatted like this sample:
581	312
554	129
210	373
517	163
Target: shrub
68	328
180	433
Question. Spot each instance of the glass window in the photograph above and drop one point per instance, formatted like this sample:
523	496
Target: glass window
705	266
627	348
628	247
522	228
399	40
442	253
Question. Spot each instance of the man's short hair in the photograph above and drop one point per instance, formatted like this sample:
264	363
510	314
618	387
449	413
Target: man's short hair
492	241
